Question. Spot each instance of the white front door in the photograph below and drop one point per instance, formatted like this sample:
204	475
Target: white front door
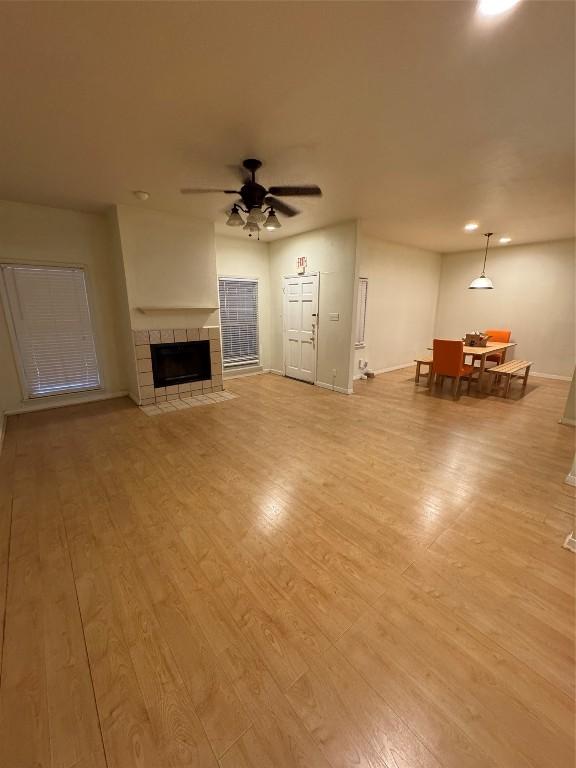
300	326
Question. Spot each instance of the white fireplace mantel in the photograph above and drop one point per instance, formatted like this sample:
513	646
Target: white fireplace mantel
149	310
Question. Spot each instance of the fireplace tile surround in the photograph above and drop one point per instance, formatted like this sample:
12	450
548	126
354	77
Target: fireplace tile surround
150	395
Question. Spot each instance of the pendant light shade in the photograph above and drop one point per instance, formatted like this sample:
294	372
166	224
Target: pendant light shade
272	222
251	227
483	282
256	216
234	219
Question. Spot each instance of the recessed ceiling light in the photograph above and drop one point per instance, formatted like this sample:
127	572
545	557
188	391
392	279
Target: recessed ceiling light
140	194
505	240
495	7
471	226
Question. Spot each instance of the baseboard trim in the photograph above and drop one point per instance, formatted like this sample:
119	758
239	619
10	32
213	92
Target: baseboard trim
240	373
274	371
341	390
567	422
550	376
388	370
411	364
571	479
65	403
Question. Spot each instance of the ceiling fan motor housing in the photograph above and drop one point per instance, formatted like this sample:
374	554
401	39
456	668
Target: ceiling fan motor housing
252	194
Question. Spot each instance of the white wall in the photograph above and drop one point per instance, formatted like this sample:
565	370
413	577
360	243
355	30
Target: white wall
169	261
534	292
249	258
331	251
403	287
36	234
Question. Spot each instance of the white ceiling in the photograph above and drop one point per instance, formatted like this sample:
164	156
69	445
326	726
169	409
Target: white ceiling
413	116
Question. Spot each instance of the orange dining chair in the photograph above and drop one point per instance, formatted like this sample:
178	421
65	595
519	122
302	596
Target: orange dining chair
448	360
498	335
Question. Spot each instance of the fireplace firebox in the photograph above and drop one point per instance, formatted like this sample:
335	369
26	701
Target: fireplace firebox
180	362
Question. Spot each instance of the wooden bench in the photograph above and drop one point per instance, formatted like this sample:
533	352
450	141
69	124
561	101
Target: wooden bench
419	363
513	368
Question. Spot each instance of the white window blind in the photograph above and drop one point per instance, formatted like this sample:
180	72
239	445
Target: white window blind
52	328
361	311
239	321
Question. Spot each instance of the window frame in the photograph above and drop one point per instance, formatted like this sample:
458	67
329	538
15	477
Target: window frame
16	353
361	343
239	366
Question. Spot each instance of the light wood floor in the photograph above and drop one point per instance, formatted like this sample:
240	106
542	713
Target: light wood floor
290	578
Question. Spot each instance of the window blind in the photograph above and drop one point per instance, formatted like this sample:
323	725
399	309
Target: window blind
361	310
239	321
52	328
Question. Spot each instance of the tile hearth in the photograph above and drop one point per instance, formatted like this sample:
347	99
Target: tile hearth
187	402
148	394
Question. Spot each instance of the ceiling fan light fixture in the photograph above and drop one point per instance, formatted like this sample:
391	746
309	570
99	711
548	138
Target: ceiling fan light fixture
234	218
258	203
272	222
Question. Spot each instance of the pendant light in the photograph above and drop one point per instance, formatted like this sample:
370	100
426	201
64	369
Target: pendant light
483	281
235	219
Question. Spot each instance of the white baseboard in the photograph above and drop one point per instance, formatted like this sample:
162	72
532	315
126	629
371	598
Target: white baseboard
342	390
256	370
550	376
568	422
389	370
48	406
274	371
570	479
412	365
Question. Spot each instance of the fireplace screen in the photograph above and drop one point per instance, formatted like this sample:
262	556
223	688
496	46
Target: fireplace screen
180	363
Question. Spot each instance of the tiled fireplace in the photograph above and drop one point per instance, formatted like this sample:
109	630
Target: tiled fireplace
206	377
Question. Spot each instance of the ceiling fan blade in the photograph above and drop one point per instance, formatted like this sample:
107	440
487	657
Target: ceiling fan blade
307	190
190	191
280	206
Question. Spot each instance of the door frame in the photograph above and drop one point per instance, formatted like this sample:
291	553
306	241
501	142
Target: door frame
284	347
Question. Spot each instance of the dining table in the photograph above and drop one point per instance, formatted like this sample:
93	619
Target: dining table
483	352
489	349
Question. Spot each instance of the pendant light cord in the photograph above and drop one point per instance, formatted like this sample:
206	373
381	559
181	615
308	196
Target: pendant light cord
487	235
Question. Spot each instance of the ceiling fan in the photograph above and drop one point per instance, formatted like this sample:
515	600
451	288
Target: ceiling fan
260	204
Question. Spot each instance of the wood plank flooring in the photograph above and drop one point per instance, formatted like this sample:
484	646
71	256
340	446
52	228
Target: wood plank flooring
290	578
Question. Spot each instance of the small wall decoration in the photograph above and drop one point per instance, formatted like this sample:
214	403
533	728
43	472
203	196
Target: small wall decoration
301	264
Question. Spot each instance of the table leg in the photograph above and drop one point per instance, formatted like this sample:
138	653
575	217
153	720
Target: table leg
481	372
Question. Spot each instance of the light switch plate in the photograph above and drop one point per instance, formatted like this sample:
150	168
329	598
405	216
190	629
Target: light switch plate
334	316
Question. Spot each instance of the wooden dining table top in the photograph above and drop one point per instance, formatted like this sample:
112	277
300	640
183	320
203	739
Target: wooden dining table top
491	346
